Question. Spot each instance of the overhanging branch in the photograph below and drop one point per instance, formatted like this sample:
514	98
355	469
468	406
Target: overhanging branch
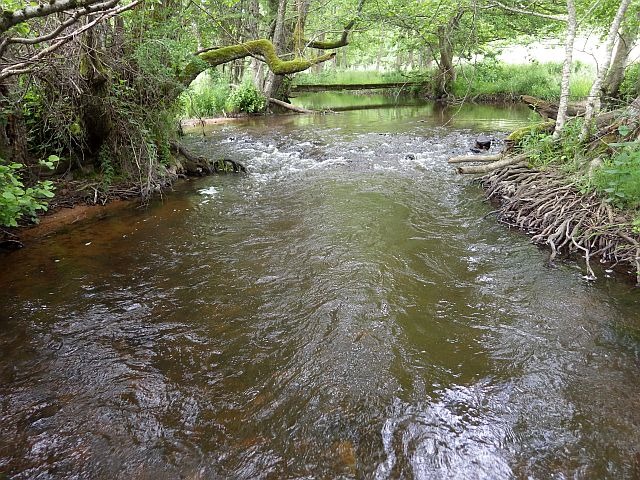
267	51
344	38
9	19
557	18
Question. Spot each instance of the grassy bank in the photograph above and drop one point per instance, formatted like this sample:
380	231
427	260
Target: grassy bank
489	80
503	81
608	167
212	95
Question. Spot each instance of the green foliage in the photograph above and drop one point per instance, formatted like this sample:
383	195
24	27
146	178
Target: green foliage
493	79
106	165
206	97
543	150
619	178
18	201
246	98
630	87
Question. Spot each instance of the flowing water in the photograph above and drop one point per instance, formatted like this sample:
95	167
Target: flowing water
348	309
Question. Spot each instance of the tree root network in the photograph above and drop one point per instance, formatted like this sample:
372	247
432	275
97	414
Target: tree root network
556	214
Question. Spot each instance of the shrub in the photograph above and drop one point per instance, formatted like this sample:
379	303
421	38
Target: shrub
246	98
619	178
16	200
630	87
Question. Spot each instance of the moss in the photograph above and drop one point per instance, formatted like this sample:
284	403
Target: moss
518	134
328	45
266	49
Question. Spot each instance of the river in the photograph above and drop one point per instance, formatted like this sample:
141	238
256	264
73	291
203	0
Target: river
347	309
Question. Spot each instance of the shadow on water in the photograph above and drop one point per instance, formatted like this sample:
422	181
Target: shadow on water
345	310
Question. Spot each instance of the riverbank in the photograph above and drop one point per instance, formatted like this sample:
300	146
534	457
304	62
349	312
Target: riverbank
549	208
76	201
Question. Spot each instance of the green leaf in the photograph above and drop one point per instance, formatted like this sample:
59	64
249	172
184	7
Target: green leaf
624	130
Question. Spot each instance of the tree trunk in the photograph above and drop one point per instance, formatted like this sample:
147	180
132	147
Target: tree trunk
273	82
96	116
13	131
565	83
593	100
446	72
611	85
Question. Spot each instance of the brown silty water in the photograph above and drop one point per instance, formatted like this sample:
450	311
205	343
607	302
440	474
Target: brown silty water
347	309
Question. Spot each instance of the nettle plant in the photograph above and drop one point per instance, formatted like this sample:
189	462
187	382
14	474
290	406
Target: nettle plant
18	201
619	178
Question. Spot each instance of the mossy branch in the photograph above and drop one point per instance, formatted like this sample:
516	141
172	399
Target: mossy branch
344	38
264	50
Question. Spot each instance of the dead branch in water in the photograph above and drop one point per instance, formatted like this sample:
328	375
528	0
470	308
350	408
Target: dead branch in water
476	158
289	106
504	162
196	165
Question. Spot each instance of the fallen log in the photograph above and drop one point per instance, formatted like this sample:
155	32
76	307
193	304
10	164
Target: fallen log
549	110
289	106
475	158
505	162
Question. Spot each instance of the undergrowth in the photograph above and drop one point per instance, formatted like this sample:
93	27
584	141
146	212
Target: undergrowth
491	78
212	95
612	170
18	201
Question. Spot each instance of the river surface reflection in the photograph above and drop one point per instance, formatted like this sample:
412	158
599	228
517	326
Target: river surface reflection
345	310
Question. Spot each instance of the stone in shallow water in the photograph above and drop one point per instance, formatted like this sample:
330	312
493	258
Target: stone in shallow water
483	142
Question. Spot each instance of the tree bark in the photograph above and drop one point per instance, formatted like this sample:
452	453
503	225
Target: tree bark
289	106
274	81
593	100
9	19
628	37
13	131
567	65
517	159
446	71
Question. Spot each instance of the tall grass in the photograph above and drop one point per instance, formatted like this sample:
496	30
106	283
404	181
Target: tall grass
500	80
206	97
356	77
211	95
486	80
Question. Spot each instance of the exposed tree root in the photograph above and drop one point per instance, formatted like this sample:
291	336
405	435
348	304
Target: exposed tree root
195	165
556	214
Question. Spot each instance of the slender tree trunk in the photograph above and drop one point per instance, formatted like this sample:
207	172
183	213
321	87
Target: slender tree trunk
628	37
302	7
253	33
565	83
593	101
